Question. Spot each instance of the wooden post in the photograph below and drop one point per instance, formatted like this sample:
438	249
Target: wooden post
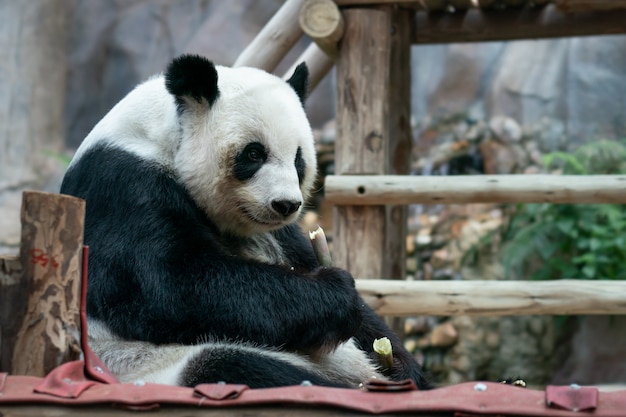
40	292
373	136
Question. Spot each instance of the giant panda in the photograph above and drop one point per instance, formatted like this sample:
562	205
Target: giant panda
198	272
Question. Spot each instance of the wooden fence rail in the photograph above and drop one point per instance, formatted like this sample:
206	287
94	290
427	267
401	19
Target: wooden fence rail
494	298
397	189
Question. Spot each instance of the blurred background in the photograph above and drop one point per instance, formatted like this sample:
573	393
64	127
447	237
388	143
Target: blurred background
523	107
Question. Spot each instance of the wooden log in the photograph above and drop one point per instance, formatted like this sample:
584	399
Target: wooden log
373	134
322	22
494	298
589	5
40	304
318	63
476	25
276	38
376	190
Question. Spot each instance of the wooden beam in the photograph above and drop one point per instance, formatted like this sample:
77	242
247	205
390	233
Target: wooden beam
376	190
318	63
322	22
476	25
589	5
40	293
276	38
494	298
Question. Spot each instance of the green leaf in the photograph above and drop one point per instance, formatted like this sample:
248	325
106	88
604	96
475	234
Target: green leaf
589	272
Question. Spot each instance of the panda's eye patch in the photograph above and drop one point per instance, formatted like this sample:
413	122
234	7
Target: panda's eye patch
300	165
249	160
255	152
254	155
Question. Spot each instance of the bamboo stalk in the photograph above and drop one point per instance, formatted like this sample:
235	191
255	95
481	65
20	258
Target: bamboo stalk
320	247
494	298
396	189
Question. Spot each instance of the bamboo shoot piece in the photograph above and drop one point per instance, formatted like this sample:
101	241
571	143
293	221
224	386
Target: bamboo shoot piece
320	247
383	348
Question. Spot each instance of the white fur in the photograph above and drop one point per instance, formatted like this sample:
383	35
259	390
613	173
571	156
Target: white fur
134	361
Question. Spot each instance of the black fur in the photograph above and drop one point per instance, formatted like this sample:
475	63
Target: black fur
300	165
192	76
159	271
231	365
299	81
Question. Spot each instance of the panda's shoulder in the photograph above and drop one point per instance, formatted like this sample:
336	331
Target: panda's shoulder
143	123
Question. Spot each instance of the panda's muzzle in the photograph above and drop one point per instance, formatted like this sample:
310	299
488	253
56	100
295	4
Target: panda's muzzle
285	207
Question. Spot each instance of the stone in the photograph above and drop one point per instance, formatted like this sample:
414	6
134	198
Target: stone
444	335
498	158
506	129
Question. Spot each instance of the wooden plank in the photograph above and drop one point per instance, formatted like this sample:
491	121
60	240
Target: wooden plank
276	38
476	25
373	133
40	305
398	189
589	5
494	298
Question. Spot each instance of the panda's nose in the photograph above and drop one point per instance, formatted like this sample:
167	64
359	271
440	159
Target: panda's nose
286	207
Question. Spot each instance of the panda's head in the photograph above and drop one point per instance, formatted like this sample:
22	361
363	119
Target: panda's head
247	153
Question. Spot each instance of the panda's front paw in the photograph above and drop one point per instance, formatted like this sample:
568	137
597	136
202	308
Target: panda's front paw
340	309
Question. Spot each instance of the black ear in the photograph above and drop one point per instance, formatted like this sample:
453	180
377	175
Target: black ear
192	76
299	81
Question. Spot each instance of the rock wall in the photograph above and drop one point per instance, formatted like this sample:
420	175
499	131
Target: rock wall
32	90
115	45
577	83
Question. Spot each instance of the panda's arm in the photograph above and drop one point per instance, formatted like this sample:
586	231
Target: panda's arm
405	366
299	250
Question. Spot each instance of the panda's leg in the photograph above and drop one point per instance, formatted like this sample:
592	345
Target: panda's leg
254	367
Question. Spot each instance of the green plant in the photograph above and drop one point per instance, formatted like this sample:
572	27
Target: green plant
588	241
